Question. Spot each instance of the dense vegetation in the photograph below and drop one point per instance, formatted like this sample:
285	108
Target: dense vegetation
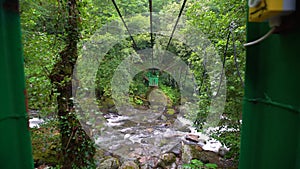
54	32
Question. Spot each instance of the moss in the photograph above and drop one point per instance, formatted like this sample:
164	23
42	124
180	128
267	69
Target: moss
170	111
107	103
169	158
129	165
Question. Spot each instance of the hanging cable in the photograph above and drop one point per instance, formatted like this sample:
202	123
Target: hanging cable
203	77
235	59
173	31
174	28
177	21
224	62
151	27
120	15
151	21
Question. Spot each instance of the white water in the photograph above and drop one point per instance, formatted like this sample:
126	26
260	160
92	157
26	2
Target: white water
156	138
35	122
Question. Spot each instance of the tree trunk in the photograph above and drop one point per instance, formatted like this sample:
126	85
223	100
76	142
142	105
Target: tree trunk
77	147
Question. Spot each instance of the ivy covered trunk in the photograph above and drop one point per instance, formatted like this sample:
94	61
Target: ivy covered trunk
77	147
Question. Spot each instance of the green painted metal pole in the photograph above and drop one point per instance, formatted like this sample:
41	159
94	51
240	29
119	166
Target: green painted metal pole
271	110
15	145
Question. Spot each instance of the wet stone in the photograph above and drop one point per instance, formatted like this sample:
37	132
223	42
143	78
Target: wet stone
167	160
148	162
176	149
110	163
129	165
153	143
192	137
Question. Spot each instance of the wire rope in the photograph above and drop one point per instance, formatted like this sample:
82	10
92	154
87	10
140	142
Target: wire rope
235	59
120	15
223	64
151	28
177	21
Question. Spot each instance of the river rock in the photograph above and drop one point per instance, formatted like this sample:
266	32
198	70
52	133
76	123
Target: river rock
109	163
187	153
223	151
192	137
168	158
176	149
129	165
148	162
190	152
163	117
113	110
178	125
107	103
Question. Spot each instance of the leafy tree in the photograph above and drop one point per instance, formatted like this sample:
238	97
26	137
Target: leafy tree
214	19
51	34
55	31
77	147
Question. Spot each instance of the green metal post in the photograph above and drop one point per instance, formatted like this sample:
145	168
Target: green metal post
271	112
15	145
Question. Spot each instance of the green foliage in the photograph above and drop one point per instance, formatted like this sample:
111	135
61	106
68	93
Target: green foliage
43	27
48	27
213	19
194	164
138	101
172	93
211	166
139	86
76	147
41	46
197	164
46	144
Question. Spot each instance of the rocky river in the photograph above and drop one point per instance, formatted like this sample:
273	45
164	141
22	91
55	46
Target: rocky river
164	142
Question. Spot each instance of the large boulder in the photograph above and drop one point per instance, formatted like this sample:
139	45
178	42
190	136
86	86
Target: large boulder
167	160
192	138
190	152
176	149
181	126
109	163
129	165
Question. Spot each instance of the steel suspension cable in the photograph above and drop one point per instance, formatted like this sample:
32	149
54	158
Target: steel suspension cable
232	26
235	59
120	15
151	27
223	64
173	31
151	21
177	21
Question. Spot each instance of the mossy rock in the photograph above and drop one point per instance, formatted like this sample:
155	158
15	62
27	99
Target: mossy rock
109	163
190	152
100	156
169	103
168	158
106	103
170	112
129	165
